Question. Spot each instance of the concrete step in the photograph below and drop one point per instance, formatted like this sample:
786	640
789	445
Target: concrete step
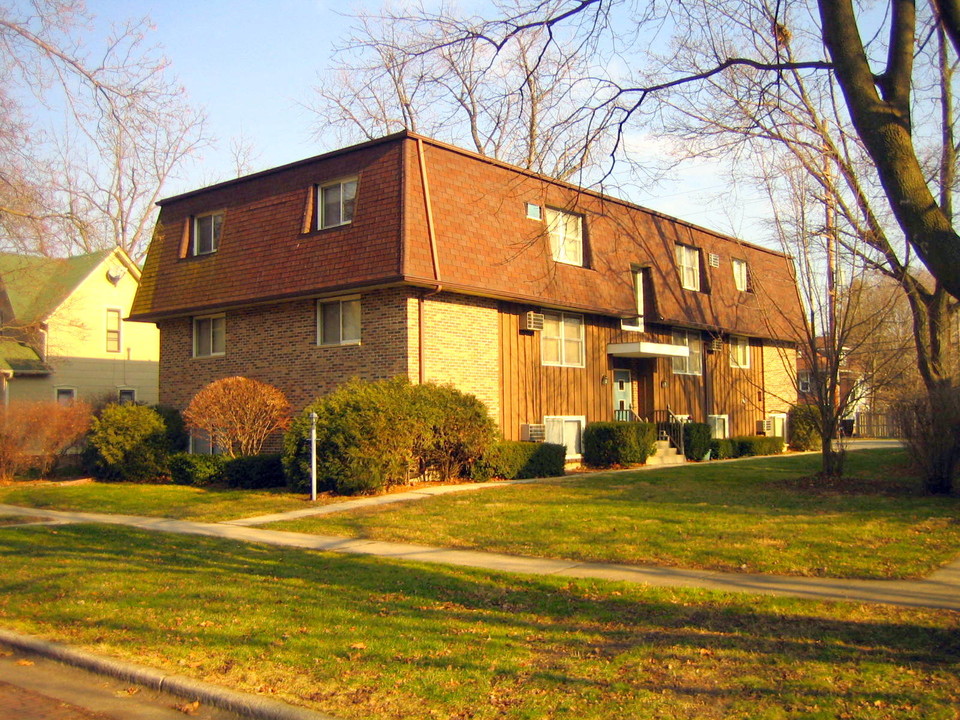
665	454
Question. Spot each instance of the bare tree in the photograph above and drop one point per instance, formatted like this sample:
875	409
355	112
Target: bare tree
93	182
874	80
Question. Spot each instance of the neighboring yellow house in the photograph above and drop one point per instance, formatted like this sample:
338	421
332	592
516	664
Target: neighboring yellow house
63	332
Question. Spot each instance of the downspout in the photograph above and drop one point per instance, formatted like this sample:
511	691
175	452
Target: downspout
432	235
5	377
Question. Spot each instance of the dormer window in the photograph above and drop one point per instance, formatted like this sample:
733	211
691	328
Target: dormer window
336	202
206	233
635	323
566	236
688	265
741	275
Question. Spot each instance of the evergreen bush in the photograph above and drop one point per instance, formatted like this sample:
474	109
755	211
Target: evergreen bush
129	442
696	440
803	427
618	443
253	472
513	460
196	470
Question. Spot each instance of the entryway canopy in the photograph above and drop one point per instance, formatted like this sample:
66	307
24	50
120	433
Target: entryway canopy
647	349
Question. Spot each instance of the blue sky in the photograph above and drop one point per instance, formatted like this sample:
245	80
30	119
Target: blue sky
251	65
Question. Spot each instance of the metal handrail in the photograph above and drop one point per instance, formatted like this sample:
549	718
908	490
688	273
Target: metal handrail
669	427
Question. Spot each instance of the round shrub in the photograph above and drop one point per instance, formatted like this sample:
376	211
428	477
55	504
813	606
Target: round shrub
129	442
196	470
803	427
696	440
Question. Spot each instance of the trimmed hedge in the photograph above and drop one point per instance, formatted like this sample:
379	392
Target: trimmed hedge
745	446
803	427
618	443
196	470
513	460
253	472
696	440
129	443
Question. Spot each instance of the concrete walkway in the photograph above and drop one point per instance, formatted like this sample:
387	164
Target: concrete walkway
940	590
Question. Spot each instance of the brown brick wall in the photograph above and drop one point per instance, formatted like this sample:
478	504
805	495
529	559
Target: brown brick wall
462	346
277	344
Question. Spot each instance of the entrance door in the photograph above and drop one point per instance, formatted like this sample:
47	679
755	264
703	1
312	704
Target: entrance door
622	395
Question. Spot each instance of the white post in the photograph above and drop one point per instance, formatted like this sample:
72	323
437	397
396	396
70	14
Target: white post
313	456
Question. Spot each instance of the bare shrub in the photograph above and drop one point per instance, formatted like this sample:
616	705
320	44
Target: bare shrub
238	414
931	431
38	434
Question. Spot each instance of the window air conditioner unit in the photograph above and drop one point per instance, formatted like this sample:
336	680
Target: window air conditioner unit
714	260
534	321
533	433
715	345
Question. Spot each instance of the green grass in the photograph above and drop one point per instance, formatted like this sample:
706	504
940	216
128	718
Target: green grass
757	516
172	501
366	637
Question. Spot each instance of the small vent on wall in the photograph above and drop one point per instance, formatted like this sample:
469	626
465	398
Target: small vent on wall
714	260
715	345
534	321
533	433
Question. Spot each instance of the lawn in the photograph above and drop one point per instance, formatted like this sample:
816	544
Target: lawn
172	501
764	515
367	637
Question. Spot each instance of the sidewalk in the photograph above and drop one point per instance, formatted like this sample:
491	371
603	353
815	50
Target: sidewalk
940	590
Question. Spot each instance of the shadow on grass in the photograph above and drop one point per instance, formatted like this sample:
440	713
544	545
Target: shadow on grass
289	607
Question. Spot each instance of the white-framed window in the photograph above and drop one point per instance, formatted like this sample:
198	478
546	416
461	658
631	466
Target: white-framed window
534	212
336	202
804	381
561	340
126	396
206	233
338	321
719	426
566	430
113	330
209	335
741	274
739	352
636	323
65	395
200	444
688	265
566	236
693	363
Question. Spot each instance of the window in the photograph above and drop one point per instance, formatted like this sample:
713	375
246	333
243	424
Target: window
804	381
636	323
65	396
719	426
209	336
566	430
113	331
338	321
693	363
534	212
336	202
126	396
688	264
741	275
566	236
561	340
200	444
739	352
206	233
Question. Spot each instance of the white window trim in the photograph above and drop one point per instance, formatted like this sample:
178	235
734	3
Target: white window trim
726	426
321	225
563	418
688	256
737	342
682	337
340	299
127	389
65	388
534	212
195	234
194	334
635	324
561	253
191	447
741	274
107	331
804	381
583	341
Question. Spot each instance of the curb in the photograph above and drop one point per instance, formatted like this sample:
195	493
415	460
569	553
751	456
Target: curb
252	706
